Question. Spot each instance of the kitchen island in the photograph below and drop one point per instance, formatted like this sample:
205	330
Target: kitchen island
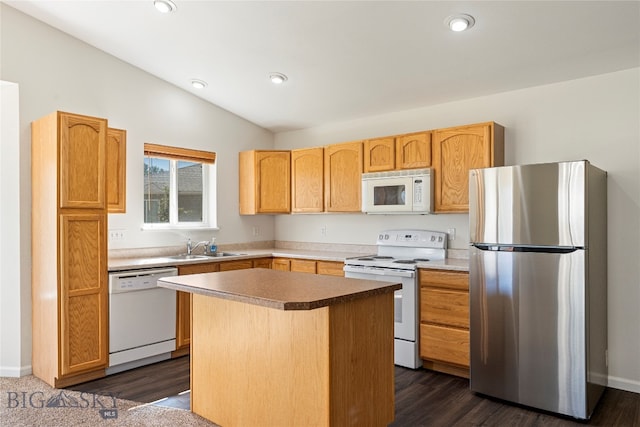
290	349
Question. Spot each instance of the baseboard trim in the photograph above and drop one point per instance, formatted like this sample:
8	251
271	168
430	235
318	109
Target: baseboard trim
624	384
8	371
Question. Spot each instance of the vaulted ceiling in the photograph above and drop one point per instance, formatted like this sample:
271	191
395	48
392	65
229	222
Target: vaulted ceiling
351	59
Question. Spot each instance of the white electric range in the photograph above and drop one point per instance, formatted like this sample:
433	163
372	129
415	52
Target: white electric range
399	252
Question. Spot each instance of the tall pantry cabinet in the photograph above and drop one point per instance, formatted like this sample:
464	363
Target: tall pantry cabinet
69	248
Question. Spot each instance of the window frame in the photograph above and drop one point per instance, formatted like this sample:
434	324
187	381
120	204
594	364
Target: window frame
209	188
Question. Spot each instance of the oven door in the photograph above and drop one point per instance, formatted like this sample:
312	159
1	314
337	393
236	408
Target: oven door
405	299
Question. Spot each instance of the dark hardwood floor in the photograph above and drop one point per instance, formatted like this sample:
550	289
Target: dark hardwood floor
423	398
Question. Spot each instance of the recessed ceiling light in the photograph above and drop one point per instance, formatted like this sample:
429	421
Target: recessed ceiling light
460	22
277	78
198	84
165	6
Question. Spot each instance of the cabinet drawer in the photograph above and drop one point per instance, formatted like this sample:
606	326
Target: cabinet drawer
236	265
262	263
282	264
209	267
444	279
444	307
330	268
303	266
444	344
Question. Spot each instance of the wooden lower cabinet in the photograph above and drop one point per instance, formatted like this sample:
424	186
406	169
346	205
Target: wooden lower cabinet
183	299
444	321
303	266
330	268
262	263
236	265
183	306
282	264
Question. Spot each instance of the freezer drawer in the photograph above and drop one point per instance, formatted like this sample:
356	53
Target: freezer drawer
528	328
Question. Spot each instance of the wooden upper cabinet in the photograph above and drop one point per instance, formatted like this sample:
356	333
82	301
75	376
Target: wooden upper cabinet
82	147
455	151
379	154
265	180
116	170
307	180
413	151
343	177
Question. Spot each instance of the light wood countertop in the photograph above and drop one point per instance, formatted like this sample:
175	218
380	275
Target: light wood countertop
282	290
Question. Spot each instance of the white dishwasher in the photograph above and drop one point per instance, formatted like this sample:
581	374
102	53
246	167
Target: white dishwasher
142	318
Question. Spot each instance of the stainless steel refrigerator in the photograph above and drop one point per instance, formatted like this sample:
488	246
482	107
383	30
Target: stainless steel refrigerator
538	285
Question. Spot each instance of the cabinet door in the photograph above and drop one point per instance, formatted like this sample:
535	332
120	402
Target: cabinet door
116	170
274	180
83	292
265	182
307	180
183	303
82	161
343	177
303	266
379	154
282	264
183	319
413	151
455	151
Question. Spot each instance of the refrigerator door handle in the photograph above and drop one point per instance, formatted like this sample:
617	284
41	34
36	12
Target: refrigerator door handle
537	249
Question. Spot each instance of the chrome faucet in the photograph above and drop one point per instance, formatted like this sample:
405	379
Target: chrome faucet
191	247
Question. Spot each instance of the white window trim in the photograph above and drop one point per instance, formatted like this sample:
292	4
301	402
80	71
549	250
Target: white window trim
209	202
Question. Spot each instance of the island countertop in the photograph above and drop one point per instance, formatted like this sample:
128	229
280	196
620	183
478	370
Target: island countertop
282	290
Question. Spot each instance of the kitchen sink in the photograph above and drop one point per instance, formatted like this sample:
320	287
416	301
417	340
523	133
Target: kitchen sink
189	257
227	254
219	254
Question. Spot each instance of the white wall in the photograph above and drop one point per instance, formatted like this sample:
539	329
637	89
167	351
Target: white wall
15	320
58	72
596	118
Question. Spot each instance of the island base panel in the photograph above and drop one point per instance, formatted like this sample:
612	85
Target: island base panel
254	365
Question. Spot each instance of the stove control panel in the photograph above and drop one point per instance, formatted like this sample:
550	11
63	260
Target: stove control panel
413	238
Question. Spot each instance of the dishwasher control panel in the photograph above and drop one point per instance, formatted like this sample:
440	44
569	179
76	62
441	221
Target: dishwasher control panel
136	280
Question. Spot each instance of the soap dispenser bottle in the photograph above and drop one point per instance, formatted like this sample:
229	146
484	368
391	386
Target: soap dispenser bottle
213	248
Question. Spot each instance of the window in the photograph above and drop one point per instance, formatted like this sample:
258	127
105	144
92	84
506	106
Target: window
179	187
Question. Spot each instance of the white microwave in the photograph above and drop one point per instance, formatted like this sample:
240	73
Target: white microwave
397	192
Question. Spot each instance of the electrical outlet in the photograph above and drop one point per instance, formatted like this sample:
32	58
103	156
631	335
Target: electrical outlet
116	235
323	230
256	231
452	234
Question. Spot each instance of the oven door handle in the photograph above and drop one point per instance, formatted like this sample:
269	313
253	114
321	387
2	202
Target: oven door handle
393	272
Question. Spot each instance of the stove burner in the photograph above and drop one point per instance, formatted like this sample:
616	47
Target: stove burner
368	258
421	259
405	261
382	257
